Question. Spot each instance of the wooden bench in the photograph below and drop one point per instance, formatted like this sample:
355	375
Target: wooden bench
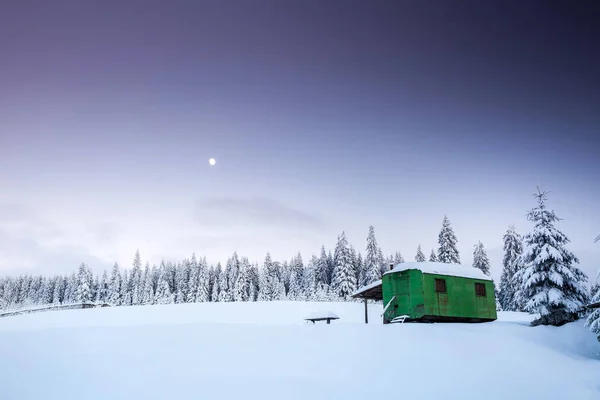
400	319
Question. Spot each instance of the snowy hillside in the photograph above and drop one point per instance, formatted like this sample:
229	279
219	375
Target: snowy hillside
266	351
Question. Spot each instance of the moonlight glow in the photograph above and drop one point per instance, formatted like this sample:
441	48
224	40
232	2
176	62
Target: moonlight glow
212	161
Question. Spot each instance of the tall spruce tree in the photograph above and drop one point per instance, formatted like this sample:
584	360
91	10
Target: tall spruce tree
398	259
203	289
321	268
513	247
136	280
296	277
83	292
447	250
480	259
593	320
432	256
343	281
420	257
372	266
551	285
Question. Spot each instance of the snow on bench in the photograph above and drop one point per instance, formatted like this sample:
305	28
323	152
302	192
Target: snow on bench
321	316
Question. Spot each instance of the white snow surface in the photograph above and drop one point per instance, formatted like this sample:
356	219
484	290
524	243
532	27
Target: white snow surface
429	267
266	350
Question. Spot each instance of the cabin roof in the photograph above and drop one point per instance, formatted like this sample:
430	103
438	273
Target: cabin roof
439	268
372	291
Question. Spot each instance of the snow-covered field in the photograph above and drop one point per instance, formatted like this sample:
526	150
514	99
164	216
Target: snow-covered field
266	351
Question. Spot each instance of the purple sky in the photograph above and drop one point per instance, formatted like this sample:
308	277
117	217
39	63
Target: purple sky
323	116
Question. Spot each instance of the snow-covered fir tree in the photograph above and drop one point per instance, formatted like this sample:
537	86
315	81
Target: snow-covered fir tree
480	259
398	259
136	279
372	268
147	286
309	281
343	282
420	257
432	256
163	293
296	277
271	285
321	268
551	285
513	248
216	293
447	250
83	292
202	290
241	287
103	291
593	320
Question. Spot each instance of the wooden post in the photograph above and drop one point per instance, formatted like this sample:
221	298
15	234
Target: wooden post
328	320
366	313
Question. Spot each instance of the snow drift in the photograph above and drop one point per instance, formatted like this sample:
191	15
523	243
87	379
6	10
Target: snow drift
266	351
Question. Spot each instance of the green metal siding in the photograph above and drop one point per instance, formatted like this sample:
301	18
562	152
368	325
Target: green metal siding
415	296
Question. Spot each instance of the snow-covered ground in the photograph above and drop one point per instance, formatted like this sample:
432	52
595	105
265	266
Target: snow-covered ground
266	351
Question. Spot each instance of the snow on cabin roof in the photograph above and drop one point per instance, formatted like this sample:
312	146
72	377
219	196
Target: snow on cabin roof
442	269
369	286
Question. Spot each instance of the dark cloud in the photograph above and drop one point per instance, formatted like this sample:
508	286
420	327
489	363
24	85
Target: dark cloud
254	212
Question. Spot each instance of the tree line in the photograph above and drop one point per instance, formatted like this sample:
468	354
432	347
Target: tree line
539	276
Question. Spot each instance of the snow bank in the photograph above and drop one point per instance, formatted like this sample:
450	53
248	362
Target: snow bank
429	267
266	351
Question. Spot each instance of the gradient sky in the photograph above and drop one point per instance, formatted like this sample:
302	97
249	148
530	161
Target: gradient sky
323	116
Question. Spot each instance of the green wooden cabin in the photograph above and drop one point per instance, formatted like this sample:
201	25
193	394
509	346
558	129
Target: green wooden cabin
434	292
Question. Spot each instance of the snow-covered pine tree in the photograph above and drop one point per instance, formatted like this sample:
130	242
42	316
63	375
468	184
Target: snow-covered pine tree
163	293
202	291
48	290
296	276
216	295
194	280
126	289
593	320
398	259
321	268
224	285
513	247
136	280
420	257
272	286
551	285
382	262
102	296
447	251
58	293
372	269
330	267
83	292
343	282
480	259
254	282
241	287
309	280
147	286
114	288
432	256
360	270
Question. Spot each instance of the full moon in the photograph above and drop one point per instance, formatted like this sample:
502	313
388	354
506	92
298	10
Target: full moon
212	161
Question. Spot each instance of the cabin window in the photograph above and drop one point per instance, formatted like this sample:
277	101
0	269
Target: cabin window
440	286
480	289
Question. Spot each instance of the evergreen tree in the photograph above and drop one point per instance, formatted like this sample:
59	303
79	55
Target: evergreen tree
136	280
241	288
217	284
432	256
83	292
163	291
103	289
126	295
194	280
343	281
551	285
321	268
296	278
203	290
384	266
480	259
398	259
114	292
148	287
309	281
359	270
58	293
447	251
420	257
271	286
593	320
254	283
372	269
513	248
